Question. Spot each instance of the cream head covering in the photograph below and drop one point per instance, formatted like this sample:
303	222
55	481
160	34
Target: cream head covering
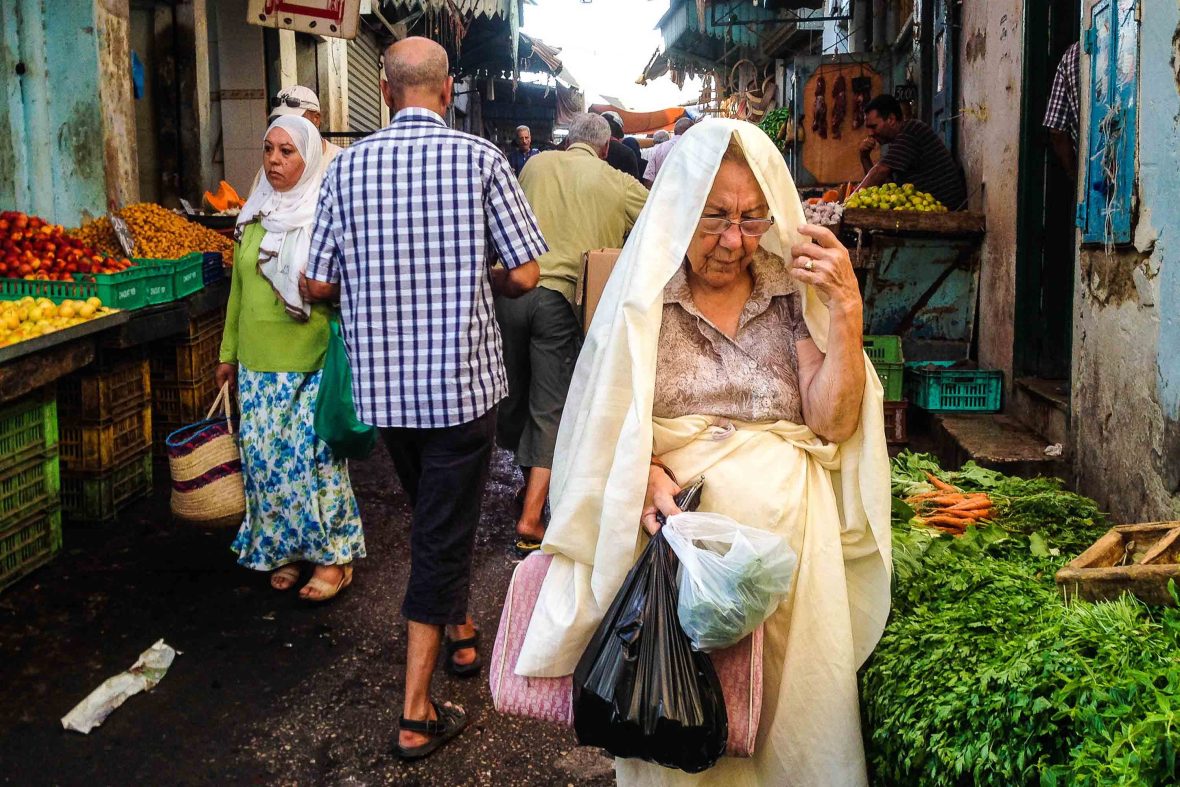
287	216
604	446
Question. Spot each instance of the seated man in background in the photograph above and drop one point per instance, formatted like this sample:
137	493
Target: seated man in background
581	203
915	155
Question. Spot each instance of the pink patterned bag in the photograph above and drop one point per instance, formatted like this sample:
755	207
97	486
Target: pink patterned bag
739	668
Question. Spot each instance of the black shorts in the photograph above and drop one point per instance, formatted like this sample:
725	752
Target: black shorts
444	472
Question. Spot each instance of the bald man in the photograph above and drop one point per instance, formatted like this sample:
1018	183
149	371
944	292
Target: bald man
655	159
408	219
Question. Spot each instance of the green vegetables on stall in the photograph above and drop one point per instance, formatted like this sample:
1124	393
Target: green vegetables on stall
773	125
984	676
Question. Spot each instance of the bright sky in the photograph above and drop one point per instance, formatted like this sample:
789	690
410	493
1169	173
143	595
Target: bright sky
605	44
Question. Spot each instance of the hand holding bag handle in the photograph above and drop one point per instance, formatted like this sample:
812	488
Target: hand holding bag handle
223	400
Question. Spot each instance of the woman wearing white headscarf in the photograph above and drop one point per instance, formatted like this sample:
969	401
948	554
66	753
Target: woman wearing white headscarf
728	344
299	501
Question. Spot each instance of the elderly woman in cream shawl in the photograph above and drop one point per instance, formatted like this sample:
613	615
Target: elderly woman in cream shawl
728	344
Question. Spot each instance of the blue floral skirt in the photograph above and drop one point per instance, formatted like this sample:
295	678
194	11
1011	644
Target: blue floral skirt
299	500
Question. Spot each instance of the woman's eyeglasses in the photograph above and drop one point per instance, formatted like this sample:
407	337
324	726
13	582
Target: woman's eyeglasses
751	228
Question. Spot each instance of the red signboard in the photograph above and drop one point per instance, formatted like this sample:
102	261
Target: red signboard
332	18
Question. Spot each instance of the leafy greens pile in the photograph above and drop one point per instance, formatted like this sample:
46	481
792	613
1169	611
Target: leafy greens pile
984	676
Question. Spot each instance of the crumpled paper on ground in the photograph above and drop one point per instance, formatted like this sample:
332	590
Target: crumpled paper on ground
148	670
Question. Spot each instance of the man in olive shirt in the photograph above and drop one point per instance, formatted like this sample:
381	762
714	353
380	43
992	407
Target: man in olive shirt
581	203
915	155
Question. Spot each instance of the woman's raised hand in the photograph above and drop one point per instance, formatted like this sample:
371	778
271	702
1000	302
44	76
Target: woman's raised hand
660	499
826	266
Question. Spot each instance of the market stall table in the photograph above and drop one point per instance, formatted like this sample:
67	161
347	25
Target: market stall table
919	276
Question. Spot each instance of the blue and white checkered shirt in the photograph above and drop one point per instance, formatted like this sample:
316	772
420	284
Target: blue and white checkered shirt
409	220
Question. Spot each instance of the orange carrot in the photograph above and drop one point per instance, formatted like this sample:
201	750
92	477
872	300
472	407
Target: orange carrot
940	484
949	521
977	504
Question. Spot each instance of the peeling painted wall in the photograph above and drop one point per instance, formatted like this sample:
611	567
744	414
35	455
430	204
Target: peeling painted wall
120	158
1126	361
989	126
64	74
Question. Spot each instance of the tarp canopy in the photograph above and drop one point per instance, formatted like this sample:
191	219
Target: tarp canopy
643	122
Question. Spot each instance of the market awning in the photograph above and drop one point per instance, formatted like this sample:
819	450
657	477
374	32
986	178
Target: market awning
643	122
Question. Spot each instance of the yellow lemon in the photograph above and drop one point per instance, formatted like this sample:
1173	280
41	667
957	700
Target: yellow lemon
67	310
86	311
95	302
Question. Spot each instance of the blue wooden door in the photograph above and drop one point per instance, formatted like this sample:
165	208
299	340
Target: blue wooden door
943	95
1112	41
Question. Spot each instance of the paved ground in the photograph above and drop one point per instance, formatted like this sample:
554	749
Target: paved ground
269	689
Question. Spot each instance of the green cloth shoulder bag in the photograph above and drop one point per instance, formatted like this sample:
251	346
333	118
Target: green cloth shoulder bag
335	414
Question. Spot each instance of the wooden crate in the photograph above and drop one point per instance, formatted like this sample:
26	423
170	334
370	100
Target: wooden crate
895	423
1135	559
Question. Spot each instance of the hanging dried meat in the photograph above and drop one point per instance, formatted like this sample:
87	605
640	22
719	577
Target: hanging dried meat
862	87
839	104
819	112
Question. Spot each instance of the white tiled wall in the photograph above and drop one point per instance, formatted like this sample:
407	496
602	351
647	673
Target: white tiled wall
242	68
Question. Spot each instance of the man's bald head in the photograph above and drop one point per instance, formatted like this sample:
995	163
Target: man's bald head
416	74
682	125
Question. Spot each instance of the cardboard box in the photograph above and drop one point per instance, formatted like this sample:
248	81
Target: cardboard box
598	266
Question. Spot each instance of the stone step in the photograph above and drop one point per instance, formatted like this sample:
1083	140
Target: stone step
1043	406
996	441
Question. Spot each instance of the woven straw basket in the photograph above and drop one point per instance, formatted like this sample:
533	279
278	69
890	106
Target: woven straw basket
206	468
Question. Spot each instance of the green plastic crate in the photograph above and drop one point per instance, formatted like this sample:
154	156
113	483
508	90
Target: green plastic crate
122	290
883	348
939	387
186	273
28	425
157	282
892	376
28	545
29	487
101	498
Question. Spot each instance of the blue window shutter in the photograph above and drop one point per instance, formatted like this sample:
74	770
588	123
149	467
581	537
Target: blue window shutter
1112	139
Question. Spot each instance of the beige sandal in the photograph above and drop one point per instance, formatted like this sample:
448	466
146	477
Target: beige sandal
288	575
326	589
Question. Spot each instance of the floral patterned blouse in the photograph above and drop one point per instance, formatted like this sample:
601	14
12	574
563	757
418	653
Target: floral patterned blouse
751	377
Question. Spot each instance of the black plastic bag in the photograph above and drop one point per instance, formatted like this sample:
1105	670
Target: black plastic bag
640	690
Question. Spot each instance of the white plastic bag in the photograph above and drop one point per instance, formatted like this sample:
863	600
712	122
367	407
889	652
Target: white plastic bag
732	577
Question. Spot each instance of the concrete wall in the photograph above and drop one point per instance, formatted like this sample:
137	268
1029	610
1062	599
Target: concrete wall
1126	386
988	139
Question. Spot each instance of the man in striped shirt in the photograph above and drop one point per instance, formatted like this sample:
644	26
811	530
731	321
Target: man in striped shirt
409	221
915	155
